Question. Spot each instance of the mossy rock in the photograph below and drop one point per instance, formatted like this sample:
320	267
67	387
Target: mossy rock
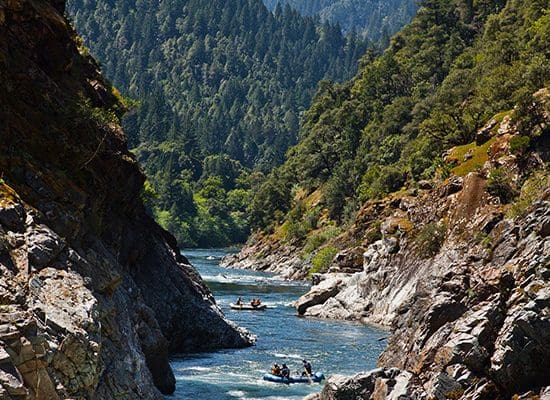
7	194
478	156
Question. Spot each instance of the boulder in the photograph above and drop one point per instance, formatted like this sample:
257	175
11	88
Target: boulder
443	387
444	309
378	384
468	155
43	245
359	386
330	309
348	261
11	386
392	244
454	186
484	134
425	185
319	294
316	278
12	216
544	227
522	350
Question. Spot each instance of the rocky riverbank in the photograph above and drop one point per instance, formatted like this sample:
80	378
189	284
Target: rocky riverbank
460	277
94	295
275	257
478	331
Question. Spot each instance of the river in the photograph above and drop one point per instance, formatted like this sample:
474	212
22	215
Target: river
282	337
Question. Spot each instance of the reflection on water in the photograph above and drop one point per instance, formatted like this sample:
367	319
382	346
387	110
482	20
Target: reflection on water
332	347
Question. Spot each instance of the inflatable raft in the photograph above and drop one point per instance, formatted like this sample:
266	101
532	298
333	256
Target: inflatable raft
316	377
261	307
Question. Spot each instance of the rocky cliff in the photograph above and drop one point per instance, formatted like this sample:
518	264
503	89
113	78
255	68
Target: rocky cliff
94	296
460	275
474	327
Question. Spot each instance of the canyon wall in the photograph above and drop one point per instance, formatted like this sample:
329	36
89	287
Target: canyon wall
94	295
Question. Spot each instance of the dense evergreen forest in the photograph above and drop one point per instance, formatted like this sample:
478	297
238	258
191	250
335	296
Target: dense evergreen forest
458	64
376	19
221	87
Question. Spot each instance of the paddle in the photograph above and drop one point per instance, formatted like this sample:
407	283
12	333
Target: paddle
308	375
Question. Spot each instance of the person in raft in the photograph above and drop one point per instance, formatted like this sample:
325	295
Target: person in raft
307	368
255	302
285	371
276	370
239	301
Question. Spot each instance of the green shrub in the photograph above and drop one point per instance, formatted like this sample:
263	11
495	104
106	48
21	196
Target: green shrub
148	194
483	239
442	167
317	239
534	186
295	227
380	181
295	230
99	115
374	233
430	239
499	184
300	221
519	144
322	259
313	243
311	218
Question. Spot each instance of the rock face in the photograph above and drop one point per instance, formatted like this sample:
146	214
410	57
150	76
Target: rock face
471	322
283	260
464	286
94	296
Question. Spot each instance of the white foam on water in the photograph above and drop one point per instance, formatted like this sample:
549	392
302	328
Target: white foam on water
236	393
220	278
226	278
279	279
283	355
273	304
195	369
236	375
202	378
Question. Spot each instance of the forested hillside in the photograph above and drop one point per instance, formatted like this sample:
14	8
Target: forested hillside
451	70
221	86
376	19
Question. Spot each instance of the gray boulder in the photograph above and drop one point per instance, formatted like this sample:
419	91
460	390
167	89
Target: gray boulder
43	245
320	293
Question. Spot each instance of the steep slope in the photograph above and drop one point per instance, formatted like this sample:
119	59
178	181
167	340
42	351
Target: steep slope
220	83
452	69
376	19
469	314
93	294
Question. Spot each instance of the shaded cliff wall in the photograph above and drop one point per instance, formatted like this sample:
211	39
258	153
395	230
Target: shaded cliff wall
93	294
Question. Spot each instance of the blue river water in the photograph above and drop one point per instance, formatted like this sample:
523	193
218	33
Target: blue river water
282	337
